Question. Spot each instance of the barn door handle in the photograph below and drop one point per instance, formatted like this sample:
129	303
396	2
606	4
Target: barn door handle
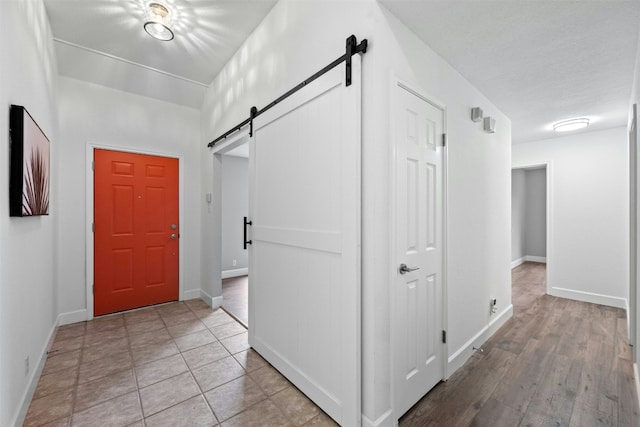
246	242
404	269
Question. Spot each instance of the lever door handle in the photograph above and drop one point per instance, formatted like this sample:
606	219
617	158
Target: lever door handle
404	269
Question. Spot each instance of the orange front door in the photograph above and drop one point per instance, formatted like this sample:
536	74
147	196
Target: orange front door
136	230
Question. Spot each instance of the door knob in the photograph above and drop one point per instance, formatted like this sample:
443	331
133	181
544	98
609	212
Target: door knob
404	269
173	236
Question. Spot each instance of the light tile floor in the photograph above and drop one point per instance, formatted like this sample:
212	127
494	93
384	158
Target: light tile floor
178	364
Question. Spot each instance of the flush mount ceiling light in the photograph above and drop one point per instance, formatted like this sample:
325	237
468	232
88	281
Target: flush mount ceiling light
569	125
158	22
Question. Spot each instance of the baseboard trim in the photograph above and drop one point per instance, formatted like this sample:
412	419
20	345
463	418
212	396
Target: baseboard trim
72	317
636	376
588	297
33	381
213	302
626	310
191	294
531	258
457	359
384	420
217	302
235	273
517	262
206	298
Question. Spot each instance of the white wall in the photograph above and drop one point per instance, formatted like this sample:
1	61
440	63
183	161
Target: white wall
478	185
588	248
90	113
293	42
288	46
27	257
518	213
535	234
235	206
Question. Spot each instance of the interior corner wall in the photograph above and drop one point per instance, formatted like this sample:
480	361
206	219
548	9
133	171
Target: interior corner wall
518	213
27	256
235	206
589	213
94	114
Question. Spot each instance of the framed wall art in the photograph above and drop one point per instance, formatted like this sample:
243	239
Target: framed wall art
30	165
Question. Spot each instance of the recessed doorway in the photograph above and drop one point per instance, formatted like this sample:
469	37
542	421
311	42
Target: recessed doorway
529	218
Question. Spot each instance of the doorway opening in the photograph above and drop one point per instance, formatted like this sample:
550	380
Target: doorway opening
235	207
529	232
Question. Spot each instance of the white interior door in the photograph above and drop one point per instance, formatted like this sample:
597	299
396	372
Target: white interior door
419	210
304	203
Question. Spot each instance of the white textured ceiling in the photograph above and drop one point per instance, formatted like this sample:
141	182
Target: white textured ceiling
538	61
103	41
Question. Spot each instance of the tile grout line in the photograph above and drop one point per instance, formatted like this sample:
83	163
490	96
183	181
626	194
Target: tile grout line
215	416
134	368
135	373
181	373
77	384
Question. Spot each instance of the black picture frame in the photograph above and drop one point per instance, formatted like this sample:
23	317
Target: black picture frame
29	171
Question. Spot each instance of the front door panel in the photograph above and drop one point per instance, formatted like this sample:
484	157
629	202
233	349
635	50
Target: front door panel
136	230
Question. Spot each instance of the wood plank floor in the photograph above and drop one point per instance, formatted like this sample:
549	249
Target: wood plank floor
235	298
556	362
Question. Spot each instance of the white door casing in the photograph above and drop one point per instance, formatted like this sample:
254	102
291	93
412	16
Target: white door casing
304	204
633	230
418	294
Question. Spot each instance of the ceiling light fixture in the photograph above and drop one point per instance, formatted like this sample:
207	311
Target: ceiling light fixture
158	22
569	125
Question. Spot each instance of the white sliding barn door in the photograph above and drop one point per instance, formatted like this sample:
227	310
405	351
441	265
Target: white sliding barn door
419	209
304	204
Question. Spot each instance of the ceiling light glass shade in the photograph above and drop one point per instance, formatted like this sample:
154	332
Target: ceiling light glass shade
569	125
158	22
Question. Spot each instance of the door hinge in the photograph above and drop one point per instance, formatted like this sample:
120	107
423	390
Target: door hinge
93	227
93	289
93	165
444	337
444	139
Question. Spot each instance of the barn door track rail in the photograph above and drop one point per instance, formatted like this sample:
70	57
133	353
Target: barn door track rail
352	47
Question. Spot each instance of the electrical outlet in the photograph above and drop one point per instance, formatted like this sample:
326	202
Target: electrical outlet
26	366
493	304
235	262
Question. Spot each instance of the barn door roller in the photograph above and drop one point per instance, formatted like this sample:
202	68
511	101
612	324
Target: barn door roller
352	47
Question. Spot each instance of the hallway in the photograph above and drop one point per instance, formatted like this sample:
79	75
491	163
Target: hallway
556	362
